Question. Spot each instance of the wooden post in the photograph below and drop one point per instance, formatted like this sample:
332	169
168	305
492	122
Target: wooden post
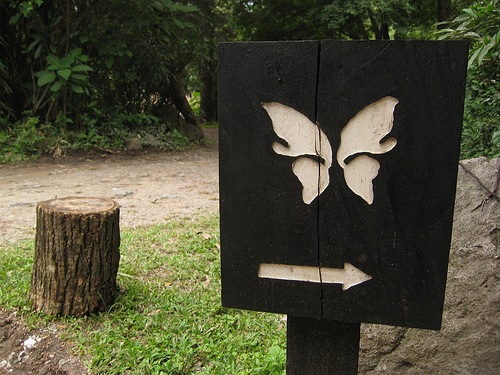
321	347
76	256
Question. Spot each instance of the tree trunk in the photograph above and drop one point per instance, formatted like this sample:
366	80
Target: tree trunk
208	104
208	63
76	256
444	11
192	129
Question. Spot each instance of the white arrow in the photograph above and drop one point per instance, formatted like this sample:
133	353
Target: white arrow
348	276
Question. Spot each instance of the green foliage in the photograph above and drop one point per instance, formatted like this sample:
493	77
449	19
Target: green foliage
280	20
5	89
481	131
16	262
59	57
68	71
375	19
29	138
141	47
273	362
338	19
93	68
176	141
194	102
479	23
21	140
167	318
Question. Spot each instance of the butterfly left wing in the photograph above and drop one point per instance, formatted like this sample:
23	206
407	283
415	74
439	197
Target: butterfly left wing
304	138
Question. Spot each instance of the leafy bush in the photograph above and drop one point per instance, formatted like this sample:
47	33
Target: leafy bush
64	61
481	129
30	139
480	24
22	139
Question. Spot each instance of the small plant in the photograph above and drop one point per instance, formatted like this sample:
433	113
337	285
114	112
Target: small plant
70	71
273	362
21	139
28	138
177	141
195	102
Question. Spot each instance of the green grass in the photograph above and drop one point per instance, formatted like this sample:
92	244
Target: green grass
168	317
16	263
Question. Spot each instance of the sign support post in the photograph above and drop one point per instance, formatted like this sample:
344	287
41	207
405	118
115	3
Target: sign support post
321	347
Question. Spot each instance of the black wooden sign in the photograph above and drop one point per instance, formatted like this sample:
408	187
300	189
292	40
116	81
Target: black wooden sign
338	164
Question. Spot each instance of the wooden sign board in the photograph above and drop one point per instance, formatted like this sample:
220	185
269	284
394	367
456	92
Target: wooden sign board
338	166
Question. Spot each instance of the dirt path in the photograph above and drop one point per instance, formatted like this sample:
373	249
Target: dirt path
150	187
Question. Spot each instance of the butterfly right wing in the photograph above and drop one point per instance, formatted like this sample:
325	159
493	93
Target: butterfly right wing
363	134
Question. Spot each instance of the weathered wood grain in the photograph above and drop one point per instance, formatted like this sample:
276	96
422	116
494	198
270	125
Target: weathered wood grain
397	230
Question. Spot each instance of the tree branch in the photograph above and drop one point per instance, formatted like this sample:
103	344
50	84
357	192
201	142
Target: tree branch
492	193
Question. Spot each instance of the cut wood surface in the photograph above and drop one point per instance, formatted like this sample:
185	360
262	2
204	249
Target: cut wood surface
76	256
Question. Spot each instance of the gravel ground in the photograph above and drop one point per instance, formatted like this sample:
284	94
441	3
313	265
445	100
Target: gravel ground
149	186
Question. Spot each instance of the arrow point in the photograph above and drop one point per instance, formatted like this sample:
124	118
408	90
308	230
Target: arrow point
353	276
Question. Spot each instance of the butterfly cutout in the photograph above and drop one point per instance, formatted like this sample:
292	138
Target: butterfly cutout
362	135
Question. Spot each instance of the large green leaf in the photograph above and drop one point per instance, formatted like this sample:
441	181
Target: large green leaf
79	78
76	52
82	68
67	61
45	77
470	12
65	73
78	89
109	61
56	86
54	61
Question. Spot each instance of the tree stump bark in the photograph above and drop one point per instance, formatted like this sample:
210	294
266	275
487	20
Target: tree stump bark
76	256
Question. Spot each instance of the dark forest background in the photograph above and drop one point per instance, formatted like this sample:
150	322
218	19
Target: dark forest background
90	74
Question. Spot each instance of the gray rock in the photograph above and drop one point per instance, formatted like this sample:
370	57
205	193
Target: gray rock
469	340
133	144
122	192
20	204
150	140
169	196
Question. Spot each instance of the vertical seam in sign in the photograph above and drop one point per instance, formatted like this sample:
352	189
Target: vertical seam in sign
319	176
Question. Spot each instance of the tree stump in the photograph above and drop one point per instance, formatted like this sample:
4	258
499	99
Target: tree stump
76	256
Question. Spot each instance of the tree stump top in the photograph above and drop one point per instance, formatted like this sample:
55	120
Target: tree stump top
80	205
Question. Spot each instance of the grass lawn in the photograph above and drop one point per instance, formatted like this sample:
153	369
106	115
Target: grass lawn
168	317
